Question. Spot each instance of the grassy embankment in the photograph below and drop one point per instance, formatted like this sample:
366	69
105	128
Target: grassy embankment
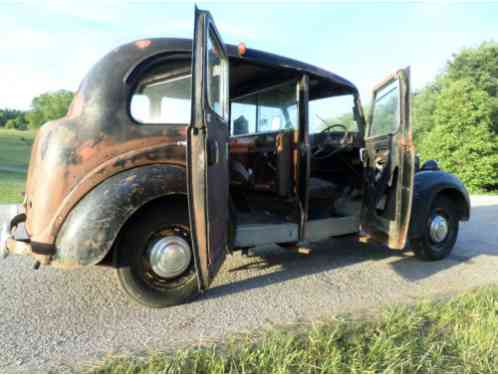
15	148
455	335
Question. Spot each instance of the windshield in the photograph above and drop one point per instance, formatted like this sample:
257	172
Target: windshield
330	111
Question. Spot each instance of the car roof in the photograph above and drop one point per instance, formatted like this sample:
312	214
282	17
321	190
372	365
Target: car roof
251	55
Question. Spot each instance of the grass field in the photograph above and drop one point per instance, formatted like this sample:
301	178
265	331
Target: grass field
12	184
15	148
457	335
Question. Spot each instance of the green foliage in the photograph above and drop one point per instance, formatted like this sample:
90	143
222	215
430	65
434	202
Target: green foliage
455	119
462	139
10	124
49	106
423	107
18	123
479	65
9	114
456	336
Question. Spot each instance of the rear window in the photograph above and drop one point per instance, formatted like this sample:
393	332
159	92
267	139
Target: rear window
163	101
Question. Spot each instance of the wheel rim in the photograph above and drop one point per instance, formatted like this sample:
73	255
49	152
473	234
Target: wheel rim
152	276
169	256
438	229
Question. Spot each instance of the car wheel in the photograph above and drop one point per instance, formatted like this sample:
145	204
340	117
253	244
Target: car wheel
154	259
440	231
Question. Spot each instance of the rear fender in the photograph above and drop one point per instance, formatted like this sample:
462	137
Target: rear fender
430	183
93	225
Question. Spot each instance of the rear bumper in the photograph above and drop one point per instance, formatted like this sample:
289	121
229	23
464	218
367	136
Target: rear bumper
14	238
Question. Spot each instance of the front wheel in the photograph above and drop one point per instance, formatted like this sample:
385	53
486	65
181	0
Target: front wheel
154	259
440	231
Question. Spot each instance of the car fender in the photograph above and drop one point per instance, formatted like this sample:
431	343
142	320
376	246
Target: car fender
427	185
92	226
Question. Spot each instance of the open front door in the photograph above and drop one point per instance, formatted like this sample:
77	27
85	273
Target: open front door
389	163
208	178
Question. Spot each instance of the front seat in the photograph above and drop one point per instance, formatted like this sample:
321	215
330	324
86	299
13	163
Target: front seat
240	176
319	189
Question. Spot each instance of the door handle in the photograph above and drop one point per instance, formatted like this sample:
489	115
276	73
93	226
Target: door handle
213	152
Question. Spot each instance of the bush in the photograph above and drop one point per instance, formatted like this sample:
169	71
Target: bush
10	124
462	139
49	106
455	118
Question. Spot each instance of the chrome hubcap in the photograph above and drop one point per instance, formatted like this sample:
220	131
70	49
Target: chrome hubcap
170	256
438	229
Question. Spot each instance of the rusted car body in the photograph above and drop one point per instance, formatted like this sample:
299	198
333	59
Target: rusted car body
95	174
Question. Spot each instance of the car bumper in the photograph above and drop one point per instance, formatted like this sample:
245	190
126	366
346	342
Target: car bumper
13	236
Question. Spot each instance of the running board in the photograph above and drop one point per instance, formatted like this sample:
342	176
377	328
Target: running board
317	230
249	235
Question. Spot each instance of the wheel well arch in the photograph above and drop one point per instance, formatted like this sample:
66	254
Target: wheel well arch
458	199
91	228
176	202
428	186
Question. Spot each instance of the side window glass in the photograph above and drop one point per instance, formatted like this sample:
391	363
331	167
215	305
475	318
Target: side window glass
217	76
386	110
243	117
269	110
162	101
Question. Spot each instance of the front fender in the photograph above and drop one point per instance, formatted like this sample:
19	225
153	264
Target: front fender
427	185
93	225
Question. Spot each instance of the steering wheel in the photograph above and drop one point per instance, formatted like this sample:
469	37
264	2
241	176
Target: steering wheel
320	151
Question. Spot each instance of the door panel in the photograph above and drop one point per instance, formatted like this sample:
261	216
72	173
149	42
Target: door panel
208	148
389	163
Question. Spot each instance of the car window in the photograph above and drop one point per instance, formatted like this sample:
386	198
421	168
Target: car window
217	77
331	111
162	101
385	118
272	109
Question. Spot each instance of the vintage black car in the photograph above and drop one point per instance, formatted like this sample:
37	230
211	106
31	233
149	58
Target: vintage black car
175	153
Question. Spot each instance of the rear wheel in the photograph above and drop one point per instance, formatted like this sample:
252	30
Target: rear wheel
440	231
155	263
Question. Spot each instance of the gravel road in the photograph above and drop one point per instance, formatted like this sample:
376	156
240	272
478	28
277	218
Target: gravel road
55	320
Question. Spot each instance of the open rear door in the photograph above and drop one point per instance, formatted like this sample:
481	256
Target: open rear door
207	159
390	163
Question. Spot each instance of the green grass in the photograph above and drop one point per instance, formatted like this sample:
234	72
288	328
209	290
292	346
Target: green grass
456	335
12	184
15	148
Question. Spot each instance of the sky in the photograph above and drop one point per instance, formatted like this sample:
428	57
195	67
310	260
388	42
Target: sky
50	45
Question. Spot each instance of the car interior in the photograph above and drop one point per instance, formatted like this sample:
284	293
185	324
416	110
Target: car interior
263	155
264	144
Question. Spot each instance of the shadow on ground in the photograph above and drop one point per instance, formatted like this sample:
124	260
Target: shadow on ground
346	251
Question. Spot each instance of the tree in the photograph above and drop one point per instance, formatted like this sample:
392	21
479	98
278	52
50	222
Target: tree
8	114
463	139
423	107
10	124
49	106
479	65
455	118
